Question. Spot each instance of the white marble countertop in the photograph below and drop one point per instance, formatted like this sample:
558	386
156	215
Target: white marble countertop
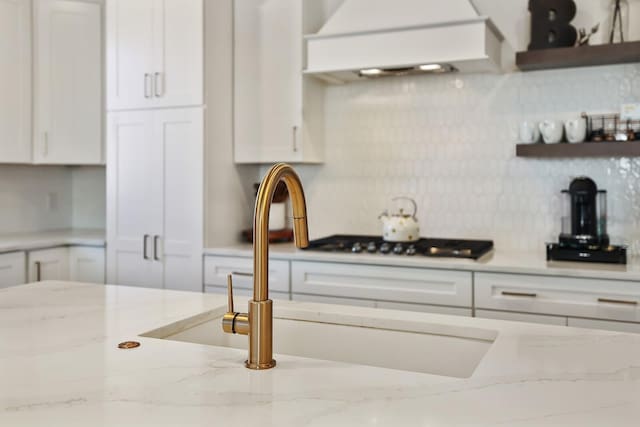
47	239
496	261
60	366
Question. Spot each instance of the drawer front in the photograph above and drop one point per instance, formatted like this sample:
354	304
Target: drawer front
242	296
216	270
422	308
522	317
606	325
13	269
411	285
592	298
333	300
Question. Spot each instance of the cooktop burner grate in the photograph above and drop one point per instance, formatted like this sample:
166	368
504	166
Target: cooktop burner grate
432	247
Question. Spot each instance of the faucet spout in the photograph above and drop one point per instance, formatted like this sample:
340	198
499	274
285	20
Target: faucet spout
279	172
258	322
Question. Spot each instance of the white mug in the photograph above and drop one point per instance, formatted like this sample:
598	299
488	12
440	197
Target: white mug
551	130
576	130
529	132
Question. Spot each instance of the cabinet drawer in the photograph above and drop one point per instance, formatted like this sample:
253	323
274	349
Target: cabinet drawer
522	317
606	325
591	298
333	300
216	270
13	269
412	285
242	296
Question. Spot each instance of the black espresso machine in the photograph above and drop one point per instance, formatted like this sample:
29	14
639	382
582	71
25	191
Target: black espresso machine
584	227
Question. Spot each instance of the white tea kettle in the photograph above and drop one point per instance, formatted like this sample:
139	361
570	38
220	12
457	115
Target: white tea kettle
400	227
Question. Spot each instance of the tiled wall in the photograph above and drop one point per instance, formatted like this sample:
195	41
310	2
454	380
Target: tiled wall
449	142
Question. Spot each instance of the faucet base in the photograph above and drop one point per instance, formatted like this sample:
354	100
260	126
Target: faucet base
260	366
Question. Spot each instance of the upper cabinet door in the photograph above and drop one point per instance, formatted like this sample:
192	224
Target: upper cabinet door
15	81
68	82
268	80
130	50
154	53
178	71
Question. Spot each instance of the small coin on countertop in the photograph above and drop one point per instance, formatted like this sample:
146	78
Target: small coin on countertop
128	344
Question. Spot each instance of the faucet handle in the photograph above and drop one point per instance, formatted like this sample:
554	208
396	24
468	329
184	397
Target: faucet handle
230	293
232	322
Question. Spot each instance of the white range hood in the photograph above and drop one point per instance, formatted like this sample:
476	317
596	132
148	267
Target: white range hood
371	38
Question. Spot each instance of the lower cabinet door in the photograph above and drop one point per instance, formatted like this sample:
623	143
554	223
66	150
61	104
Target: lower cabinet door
605	325
217	268
49	264
13	269
333	300
522	317
86	264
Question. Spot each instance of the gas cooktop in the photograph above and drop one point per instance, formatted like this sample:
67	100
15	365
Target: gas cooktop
454	248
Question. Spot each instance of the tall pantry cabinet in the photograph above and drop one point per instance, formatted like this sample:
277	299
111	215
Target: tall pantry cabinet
155	140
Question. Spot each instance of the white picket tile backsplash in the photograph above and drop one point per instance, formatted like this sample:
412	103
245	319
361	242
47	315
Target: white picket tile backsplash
449	142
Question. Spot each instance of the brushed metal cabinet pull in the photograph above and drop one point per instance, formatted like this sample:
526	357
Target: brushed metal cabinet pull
147	84
156	85
295	139
155	248
144	247
45	144
519	294
617	301
38	265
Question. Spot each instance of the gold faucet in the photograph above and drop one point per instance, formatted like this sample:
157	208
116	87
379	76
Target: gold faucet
258	323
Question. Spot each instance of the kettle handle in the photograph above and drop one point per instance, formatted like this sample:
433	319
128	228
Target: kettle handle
413	202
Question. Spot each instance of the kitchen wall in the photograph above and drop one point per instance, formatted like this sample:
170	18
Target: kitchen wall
34	198
89	201
449	142
37	198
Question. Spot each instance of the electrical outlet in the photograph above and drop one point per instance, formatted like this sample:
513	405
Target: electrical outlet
52	202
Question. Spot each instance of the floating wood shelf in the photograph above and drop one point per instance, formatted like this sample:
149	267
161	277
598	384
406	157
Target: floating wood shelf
584	56
585	149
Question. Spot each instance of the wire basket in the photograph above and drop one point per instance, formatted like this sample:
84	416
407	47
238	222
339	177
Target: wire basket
610	128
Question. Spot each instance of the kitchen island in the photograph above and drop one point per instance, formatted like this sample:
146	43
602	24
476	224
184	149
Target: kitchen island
60	365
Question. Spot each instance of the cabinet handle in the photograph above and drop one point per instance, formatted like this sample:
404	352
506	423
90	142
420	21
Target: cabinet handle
38	271
144	246
45	144
617	301
156	85
155	248
239	273
519	294
147	85
295	139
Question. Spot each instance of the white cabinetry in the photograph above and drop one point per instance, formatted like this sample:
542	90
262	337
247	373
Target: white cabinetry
48	264
277	111
605	324
217	268
154	53
15	81
13	269
392	284
68	82
522	317
562	296
86	264
155	198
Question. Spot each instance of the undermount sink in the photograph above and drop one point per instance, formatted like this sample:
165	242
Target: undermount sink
416	346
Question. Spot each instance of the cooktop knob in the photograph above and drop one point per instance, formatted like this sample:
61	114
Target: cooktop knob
356	248
411	250
398	249
385	248
371	247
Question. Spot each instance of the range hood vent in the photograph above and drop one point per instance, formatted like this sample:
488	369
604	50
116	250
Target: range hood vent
378	38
